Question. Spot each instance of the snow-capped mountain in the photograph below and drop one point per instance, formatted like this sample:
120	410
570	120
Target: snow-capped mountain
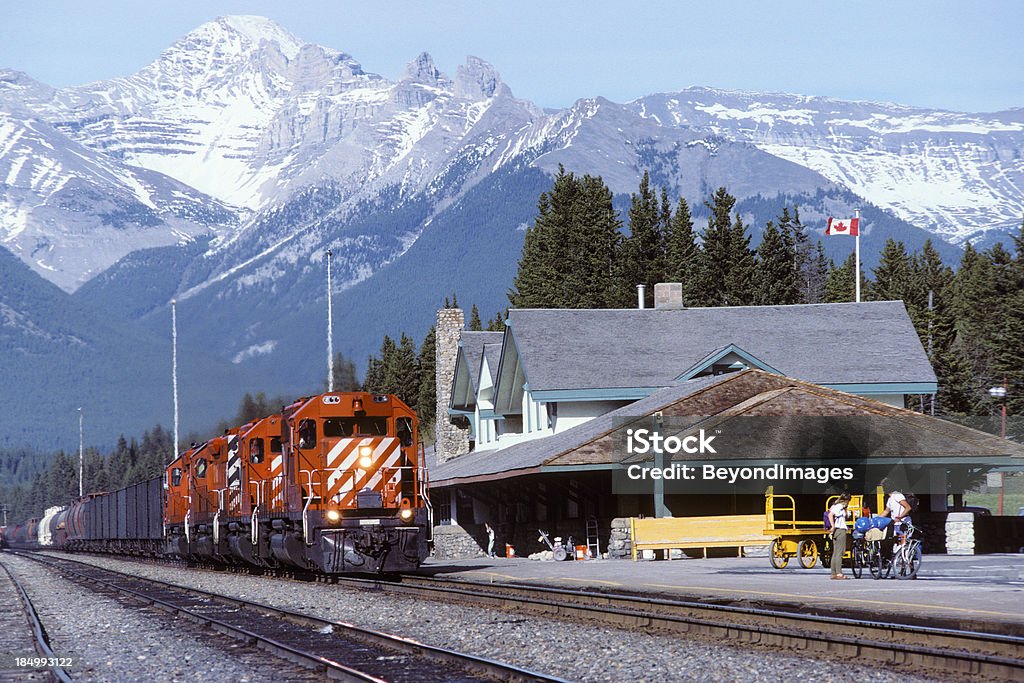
960	175
238	124
221	174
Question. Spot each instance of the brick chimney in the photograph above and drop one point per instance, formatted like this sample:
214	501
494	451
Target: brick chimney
668	296
450	439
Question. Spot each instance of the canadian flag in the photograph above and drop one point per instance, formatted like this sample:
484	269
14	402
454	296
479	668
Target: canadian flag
843	226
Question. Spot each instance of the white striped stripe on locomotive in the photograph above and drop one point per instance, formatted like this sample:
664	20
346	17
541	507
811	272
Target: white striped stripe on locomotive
342	462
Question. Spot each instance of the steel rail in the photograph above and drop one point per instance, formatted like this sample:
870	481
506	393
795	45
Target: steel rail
42	640
471	666
941	649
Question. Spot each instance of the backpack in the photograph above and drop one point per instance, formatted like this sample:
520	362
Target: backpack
828	524
912	501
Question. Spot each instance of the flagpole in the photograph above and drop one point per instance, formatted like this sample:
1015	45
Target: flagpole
856	259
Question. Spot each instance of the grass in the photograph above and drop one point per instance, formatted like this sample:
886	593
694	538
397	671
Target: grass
1013	495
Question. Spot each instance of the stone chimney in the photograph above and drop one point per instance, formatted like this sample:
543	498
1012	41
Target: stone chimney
668	296
450	439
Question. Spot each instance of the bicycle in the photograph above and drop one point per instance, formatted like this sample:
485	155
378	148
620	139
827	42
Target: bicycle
903	561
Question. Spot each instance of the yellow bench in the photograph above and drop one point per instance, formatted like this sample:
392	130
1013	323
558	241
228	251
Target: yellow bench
670	533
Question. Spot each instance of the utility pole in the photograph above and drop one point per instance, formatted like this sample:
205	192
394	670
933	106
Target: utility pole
174	372
330	329
81	455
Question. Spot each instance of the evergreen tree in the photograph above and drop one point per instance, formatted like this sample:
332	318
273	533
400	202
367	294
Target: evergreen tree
543	245
776	275
739	281
401	372
810	280
426	402
379	368
683	258
643	261
976	307
345	378
894	278
570	252
475	324
498	324
717	252
817	275
839	286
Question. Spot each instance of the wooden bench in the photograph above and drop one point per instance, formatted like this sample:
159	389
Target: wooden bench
672	533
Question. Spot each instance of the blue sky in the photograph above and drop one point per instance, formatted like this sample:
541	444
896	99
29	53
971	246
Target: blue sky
954	55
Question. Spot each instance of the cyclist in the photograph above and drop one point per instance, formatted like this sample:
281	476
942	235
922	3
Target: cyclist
898	508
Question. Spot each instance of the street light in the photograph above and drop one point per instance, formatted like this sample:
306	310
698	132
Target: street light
1000	394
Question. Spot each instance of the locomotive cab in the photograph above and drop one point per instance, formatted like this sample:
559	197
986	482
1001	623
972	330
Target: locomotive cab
352	482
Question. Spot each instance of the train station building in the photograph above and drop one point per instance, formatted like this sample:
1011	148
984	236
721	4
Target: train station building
531	420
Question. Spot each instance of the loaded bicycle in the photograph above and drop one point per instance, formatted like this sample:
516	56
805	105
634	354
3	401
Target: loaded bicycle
898	555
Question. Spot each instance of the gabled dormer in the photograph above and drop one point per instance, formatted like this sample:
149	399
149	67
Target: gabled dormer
724	359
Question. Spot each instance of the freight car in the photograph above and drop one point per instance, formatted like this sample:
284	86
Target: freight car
334	483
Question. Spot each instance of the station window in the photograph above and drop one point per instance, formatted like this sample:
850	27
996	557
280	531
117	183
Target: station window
201	468
307	433
256	450
176	476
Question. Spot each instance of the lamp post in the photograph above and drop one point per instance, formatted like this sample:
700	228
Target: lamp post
1000	393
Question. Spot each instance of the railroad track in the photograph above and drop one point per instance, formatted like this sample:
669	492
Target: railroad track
24	636
341	651
942	650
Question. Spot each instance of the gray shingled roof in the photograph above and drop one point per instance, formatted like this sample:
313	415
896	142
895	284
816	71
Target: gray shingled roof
530	454
473	350
492	352
848	343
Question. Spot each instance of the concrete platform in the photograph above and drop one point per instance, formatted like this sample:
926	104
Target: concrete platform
984	592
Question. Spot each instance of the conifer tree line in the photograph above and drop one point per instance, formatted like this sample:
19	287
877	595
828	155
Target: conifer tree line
130	462
970	321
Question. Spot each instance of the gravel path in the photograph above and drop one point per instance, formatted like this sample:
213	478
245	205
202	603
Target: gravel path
574	651
118	643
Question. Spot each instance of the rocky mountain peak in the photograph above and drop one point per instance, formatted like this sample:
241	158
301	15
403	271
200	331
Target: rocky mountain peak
248	33
478	79
423	70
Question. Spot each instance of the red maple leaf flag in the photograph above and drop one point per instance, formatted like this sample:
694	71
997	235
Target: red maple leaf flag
843	226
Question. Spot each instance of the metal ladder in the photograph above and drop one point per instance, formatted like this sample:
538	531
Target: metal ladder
593	538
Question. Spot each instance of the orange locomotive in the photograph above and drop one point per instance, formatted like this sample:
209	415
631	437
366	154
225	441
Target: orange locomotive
334	483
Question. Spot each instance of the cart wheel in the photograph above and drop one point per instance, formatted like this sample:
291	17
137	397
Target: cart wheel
807	552
559	553
776	555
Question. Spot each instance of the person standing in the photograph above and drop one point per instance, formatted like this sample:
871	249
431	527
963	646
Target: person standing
837	516
490	539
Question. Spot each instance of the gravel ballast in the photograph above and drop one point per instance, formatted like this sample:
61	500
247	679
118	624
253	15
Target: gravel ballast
575	651
110	641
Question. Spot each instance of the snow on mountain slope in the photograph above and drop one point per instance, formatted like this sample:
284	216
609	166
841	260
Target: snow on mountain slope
299	147
961	175
70	212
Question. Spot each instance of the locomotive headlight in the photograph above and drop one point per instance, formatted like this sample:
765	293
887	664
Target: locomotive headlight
333	515
365	457
406	514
